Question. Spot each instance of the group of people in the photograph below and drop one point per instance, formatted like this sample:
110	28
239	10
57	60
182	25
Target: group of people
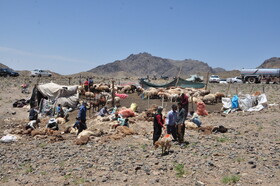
88	83
52	123
174	123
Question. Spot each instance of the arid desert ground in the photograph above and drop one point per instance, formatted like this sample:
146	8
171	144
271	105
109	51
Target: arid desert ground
247	154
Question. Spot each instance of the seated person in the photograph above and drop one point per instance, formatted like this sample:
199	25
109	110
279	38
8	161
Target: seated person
122	122
116	116
33	124
52	124
103	112
60	111
195	118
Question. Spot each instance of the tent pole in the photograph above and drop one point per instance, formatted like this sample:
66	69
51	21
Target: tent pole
148	101
113	93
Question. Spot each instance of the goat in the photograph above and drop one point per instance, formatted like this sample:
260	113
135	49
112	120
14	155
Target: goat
165	143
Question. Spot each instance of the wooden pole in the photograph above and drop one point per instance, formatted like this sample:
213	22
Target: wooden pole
228	89
207	79
192	104
148	101
162	101
263	89
113	93
178	76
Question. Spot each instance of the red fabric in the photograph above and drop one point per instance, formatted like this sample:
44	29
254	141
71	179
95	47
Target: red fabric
201	109
185	100
127	113
86	83
123	96
159	119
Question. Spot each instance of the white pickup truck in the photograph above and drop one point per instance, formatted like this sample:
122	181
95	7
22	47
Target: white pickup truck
234	80
40	73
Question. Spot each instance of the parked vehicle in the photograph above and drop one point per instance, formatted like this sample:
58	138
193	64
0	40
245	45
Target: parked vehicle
6	72
223	81
195	78
40	73
164	77
258	75
234	80
214	79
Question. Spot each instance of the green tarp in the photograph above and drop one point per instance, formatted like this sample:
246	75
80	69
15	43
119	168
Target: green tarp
181	83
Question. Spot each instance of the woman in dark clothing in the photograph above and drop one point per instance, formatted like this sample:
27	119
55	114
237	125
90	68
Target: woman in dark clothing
158	124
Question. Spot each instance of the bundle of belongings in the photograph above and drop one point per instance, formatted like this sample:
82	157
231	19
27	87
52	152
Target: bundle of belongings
255	102
20	103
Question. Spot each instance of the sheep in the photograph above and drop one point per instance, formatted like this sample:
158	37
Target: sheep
124	130
191	125
204	92
210	98
117	101
60	120
85	133
219	97
152	93
38	132
195	99
165	143
82	141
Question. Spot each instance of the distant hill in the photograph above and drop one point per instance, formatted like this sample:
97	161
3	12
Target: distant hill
273	62
144	64
3	66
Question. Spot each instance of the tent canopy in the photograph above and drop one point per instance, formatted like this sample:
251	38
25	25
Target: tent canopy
179	82
60	94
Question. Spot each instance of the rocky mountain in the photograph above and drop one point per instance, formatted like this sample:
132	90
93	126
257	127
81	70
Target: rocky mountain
144	64
273	62
3	66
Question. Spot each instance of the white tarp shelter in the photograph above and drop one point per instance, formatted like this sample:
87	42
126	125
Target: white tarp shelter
60	94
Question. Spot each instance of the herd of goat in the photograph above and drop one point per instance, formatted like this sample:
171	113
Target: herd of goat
100	95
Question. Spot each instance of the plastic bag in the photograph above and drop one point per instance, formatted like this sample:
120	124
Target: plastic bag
201	109
226	103
234	102
133	107
8	138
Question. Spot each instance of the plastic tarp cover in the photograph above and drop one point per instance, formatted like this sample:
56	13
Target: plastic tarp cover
54	91
71	101
64	95
262	103
252	103
226	103
234	102
246	102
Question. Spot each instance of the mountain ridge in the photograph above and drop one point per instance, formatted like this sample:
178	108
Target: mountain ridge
144	64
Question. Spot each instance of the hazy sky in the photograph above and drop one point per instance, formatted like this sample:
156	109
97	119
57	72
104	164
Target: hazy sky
70	36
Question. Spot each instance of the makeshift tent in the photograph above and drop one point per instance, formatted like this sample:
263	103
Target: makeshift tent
178	82
58	94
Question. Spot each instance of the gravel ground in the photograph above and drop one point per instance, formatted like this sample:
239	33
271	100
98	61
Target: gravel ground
248	154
